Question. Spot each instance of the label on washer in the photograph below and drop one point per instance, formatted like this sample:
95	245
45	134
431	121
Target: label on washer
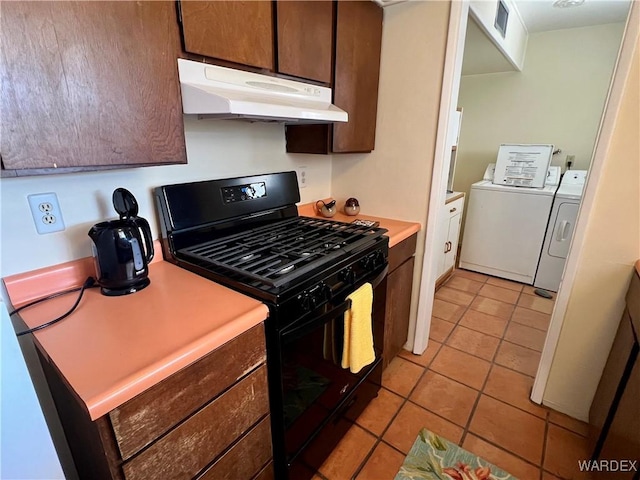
522	165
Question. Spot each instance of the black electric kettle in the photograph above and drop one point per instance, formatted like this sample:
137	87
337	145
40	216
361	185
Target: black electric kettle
121	260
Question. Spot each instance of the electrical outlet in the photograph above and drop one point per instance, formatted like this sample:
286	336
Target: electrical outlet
302	176
46	212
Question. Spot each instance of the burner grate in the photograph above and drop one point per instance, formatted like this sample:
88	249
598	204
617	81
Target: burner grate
280	252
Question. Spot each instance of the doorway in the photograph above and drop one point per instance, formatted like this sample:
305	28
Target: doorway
453	68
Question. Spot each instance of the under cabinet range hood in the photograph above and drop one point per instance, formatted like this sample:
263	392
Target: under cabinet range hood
211	91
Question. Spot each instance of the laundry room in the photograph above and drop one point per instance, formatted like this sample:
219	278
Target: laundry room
529	109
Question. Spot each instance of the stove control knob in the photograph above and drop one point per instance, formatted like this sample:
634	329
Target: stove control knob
348	275
367	262
378	258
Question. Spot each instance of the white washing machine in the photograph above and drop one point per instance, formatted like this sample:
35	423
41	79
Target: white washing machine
505	227
560	230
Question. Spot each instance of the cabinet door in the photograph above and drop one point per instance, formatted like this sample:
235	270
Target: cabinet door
452	241
623	438
398	309
90	84
305	39
357	69
235	31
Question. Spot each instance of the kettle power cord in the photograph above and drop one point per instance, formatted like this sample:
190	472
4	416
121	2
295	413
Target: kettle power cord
88	283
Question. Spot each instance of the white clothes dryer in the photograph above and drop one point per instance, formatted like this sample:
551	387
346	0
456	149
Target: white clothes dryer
560	230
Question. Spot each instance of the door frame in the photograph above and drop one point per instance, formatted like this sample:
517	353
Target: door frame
454	52
603	141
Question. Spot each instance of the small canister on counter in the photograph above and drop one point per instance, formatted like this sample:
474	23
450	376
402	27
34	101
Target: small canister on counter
351	206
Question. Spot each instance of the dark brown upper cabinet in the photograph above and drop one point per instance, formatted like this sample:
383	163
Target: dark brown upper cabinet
355	85
89	85
305	39
233	31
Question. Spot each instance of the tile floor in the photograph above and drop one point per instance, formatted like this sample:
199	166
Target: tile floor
471	386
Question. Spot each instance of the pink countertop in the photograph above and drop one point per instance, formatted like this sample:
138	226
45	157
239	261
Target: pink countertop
398	230
113	348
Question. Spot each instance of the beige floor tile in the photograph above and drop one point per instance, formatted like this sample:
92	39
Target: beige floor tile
529	290
483	322
498	293
525	336
531	318
512	429
347	456
478	277
440	329
447	311
573	424
492	307
445	397
401	376
513	388
405	428
426	357
533	302
380	411
462	367
563	450
465	284
454	296
383	464
501	282
515	357
473	342
500	458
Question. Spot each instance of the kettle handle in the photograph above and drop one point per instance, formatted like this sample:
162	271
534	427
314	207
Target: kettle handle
143	225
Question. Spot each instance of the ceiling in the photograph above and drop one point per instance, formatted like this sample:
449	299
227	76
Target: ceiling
541	15
481	55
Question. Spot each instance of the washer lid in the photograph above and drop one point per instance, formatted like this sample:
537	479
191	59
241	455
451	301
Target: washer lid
489	185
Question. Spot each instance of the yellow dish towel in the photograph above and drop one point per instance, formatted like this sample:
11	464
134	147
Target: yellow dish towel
358	351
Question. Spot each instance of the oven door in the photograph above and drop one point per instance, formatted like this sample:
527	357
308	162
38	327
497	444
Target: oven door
315	387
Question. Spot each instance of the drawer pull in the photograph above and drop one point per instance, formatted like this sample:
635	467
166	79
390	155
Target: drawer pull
453	210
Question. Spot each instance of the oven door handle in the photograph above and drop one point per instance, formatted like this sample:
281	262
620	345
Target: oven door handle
313	323
376	281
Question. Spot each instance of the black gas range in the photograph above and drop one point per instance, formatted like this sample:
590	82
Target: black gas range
246	233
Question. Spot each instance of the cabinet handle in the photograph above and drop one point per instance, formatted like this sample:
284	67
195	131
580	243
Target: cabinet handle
447	247
453	210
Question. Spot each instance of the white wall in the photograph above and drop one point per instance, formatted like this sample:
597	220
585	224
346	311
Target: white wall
215	149
558	98
26	449
393	181
610	247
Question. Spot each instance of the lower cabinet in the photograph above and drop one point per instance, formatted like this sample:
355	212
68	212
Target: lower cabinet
398	298
615	412
448	235
210	420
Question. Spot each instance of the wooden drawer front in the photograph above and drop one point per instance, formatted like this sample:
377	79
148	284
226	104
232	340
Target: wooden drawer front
185	451
144	418
267	473
399	253
247	458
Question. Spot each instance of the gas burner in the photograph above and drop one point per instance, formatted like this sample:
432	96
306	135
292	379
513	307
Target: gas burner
285	270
